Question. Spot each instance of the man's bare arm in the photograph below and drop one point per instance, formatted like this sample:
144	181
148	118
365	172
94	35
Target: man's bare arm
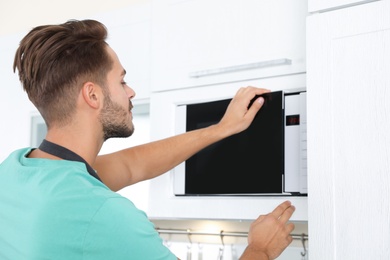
131	165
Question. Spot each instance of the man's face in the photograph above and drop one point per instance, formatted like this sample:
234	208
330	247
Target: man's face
116	116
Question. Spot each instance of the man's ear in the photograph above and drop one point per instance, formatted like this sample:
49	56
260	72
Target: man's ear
92	94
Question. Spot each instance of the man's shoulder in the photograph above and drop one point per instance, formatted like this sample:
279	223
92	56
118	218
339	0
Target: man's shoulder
16	155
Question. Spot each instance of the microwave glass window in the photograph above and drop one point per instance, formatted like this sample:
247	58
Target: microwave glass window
251	162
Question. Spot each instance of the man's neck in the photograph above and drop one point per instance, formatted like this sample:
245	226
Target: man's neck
85	145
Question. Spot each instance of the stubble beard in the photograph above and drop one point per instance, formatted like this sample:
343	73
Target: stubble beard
115	120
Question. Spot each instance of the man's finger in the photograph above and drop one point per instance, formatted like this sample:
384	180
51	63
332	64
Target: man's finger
287	214
278	211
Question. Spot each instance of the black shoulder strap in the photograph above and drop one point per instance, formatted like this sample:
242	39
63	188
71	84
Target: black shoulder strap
66	154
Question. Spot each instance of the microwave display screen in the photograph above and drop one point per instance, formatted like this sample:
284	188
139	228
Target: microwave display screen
251	162
292	120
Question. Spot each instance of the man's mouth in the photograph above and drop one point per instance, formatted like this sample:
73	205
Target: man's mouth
130	106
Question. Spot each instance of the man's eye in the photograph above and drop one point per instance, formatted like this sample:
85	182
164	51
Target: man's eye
124	83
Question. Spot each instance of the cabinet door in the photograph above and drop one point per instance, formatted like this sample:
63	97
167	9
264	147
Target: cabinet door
348	88
201	42
321	5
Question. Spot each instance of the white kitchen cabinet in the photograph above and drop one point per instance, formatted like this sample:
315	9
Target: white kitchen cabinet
162	201
202	42
129	36
328	5
348	108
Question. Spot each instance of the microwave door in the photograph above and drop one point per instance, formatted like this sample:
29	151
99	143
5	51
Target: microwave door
248	163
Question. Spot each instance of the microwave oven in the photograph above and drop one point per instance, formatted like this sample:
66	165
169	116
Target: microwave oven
269	158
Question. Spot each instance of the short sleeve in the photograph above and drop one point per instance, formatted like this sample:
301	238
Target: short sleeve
121	231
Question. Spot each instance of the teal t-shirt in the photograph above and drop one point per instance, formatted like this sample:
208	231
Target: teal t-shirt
53	209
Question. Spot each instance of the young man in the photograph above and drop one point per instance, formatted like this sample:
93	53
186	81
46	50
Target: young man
58	201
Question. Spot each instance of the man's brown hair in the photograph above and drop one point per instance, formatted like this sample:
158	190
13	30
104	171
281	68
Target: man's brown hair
54	61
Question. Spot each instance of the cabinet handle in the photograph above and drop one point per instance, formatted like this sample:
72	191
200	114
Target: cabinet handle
255	65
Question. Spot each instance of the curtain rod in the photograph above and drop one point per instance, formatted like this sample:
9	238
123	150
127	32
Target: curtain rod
302	236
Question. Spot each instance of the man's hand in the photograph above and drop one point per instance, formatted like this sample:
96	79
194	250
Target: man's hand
270	234
237	116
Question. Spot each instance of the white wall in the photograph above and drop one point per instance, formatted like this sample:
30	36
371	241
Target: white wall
15	108
21	15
